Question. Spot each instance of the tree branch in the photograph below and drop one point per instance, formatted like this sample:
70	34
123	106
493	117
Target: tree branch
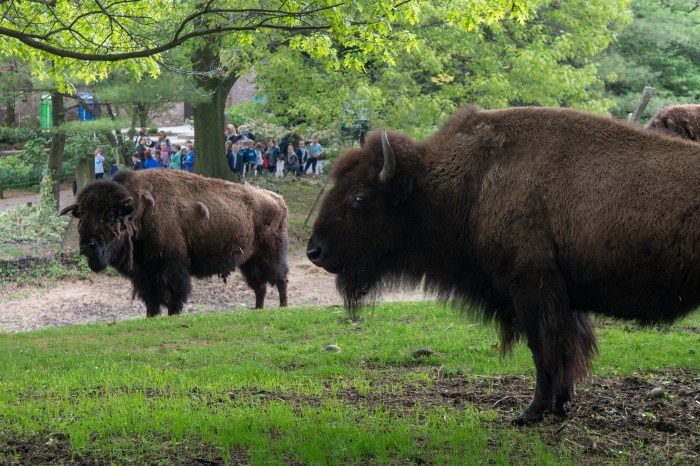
235	20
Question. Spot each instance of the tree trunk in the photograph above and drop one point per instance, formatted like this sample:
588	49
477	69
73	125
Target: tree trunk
210	155
209	148
58	144
142	114
10	115
117	141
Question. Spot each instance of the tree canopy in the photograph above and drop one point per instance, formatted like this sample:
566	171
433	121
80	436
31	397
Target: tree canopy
497	53
661	49
551	59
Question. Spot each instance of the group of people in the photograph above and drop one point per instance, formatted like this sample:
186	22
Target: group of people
162	153
246	157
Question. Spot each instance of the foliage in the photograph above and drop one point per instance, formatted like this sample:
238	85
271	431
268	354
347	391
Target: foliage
138	102
14	136
27	167
27	224
550	59
243	113
217	42
658	49
43	271
15	171
82	145
35	150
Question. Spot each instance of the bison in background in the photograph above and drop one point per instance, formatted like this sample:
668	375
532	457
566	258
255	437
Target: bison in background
534	215
677	120
159	227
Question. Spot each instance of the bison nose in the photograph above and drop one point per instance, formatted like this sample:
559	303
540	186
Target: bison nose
314	253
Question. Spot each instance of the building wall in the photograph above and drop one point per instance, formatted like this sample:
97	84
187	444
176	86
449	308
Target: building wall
28	110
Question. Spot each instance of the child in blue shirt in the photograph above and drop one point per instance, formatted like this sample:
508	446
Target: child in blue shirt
188	164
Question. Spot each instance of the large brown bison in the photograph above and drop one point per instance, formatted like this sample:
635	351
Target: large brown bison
677	120
535	216
159	227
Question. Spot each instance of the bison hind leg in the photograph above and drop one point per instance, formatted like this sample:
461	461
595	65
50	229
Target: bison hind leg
576	361
561	341
259	272
282	289
256	274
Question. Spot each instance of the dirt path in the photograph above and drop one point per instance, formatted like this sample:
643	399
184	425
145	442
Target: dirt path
107	298
15	198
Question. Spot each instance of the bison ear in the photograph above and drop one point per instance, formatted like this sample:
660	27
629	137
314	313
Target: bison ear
126	207
71	208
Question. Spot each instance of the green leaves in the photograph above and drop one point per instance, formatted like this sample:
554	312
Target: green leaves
660	48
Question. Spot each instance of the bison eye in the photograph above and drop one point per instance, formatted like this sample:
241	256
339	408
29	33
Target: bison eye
359	200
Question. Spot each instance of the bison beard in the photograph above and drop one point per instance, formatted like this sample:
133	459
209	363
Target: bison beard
534	216
357	287
160	227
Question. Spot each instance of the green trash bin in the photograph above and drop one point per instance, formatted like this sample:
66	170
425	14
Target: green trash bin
45	114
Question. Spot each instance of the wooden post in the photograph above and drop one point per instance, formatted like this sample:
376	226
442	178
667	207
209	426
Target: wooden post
635	116
311	211
1	193
84	172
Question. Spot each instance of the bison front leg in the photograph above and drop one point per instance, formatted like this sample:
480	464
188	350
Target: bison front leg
150	299
558	346
176	285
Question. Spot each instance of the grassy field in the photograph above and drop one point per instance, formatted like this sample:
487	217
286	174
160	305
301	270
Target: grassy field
259	387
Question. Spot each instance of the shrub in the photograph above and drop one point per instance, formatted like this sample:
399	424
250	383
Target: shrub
26	224
14	136
15	171
244	113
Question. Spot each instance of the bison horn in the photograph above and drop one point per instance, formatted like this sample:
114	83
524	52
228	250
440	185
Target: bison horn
68	209
389	168
362	138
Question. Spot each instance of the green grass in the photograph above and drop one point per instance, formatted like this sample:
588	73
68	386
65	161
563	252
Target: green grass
258	387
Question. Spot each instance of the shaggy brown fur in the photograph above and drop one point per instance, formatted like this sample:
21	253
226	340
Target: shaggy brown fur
159	227
678	120
535	215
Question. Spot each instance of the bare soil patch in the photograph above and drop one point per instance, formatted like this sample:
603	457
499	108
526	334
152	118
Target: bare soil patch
105	297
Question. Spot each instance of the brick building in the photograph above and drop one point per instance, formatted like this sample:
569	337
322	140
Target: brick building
28	110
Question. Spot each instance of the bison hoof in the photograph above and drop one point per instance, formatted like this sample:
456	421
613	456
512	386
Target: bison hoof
562	410
531	415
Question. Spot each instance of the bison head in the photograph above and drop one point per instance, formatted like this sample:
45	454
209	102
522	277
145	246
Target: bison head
362	225
103	208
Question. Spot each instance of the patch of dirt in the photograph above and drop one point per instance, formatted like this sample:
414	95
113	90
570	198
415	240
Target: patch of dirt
107	298
15	198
